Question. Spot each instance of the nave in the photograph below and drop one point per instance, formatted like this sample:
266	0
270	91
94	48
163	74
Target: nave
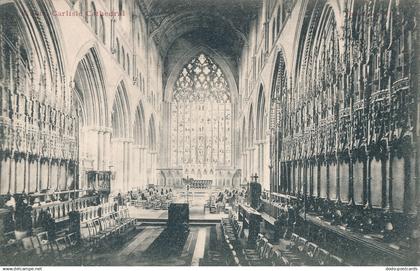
279	132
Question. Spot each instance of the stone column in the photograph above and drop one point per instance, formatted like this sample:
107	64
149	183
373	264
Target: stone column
250	162
107	147
124	165
129	181
101	150
244	165
327	161
49	174
38	174
143	169
11	167
351	180
115	162
58	174
337	175
25	173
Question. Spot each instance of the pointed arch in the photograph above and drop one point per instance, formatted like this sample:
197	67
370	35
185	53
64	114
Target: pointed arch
251	127
121	113
279	102
218	58
260	115
278	90
139	126
102	29
201	114
244	135
89	90
118	50
94	18
151	139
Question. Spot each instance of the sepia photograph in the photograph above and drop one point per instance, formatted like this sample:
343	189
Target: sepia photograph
209	133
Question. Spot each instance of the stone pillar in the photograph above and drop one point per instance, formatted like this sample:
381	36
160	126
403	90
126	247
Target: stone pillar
249	156
388	205
115	162
29	176
328	178
58	174
100	150
38	174
337	175
25	173
66	170
49	174
143	169
369	181
351	180
245	165
11	173
129	181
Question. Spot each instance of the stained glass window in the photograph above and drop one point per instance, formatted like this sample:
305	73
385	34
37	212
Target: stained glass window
201	116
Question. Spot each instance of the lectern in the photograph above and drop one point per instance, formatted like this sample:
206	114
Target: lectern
178	216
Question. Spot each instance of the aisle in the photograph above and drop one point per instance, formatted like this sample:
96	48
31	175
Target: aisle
156	246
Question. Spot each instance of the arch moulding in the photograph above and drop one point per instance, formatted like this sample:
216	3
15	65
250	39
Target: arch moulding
218	59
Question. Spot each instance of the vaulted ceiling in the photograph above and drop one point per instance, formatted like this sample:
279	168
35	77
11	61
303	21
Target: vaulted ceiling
170	19
178	25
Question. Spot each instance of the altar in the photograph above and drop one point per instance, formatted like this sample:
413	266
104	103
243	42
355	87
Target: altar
202	178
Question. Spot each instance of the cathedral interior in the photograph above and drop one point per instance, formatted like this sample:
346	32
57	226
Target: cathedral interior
209	132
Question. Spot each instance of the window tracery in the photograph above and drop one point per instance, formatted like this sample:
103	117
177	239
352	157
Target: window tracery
201	115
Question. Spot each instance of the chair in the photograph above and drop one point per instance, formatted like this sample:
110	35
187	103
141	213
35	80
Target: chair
85	232
268	251
273	256
119	225
94	232
277	259
104	227
36	246
301	244
126	216
251	251
60	244
290	257
294	240
311	249
253	254
322	256
43	241
263	248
